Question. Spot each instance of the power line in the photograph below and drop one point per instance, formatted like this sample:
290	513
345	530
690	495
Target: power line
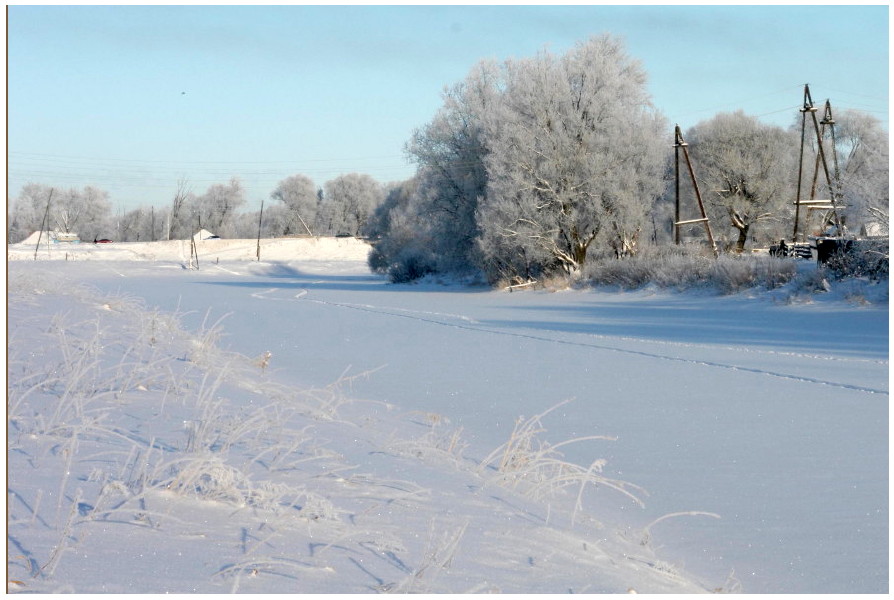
157	174
851	93
64	158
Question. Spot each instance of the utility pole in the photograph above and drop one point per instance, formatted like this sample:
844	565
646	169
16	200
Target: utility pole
680	144
677	136
812	203
193	249
44	223
260	218
311	233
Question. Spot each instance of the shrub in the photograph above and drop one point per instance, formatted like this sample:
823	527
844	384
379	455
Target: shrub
859	258
410	264
683	269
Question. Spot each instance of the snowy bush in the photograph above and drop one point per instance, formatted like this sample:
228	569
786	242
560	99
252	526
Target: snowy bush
410	264
402	253
860	259
682	269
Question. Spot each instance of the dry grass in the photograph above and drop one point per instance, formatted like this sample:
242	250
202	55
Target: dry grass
537	469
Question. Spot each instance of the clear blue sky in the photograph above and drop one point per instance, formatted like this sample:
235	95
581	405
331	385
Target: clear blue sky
131	99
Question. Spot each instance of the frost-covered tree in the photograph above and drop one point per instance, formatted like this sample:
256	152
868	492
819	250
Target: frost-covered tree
141	224
86	212
747	169
348	201
397	196
216	209
271	221
403	237
27	211
530	162
130	226
275	221
179	223
576	153
862	150
299	193
452	178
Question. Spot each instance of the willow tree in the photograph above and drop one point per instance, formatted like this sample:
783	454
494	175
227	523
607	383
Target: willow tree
749	167
576	156
530	162
863	154
348	202
216	209
299	194
451	177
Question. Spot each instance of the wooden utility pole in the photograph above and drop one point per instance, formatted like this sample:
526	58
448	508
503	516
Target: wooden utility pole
44	224
309	232
260	218
813	203
680	144
830	122
193	249
677	145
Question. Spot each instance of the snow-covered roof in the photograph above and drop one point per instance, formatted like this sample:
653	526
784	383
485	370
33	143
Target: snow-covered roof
203	234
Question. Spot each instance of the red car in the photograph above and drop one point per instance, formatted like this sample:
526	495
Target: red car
102	241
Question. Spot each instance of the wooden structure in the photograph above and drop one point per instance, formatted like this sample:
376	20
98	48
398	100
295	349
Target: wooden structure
680	144
829	205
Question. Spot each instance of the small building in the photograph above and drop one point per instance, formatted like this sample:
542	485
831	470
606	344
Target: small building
204	234
51	237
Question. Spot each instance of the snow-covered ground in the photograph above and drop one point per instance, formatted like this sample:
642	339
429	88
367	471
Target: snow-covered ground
298	424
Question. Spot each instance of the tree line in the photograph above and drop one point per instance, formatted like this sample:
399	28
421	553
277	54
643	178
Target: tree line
535	166
341	207
531	167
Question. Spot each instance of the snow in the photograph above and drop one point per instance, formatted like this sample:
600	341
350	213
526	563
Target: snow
204	234
298	424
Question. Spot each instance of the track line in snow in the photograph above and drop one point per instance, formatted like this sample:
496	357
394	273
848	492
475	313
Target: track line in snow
653	355
263	295
472	326
226	270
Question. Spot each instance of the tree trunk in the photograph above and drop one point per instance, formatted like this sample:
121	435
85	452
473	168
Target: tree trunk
580	254
743	237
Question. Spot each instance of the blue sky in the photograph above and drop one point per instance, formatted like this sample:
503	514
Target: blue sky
132	99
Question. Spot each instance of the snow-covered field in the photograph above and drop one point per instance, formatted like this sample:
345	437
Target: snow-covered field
298	424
